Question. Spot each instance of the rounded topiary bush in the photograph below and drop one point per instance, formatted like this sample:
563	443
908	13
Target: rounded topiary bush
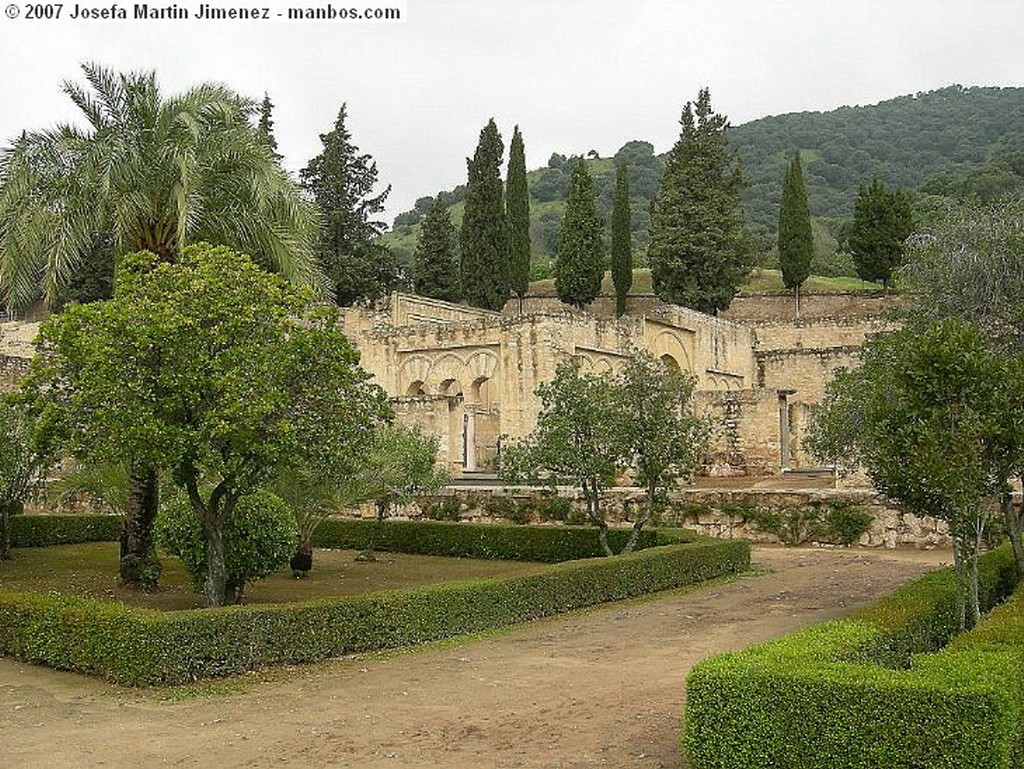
259	538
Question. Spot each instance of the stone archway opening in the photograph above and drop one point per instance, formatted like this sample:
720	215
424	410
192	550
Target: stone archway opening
416	389
450	387
670	363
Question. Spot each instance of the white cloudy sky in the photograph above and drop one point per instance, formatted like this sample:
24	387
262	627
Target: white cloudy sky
575	74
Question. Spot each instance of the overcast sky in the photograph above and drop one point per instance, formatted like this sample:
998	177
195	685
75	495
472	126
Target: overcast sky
575	75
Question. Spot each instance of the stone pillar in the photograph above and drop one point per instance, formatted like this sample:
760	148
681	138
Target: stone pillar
469	439
784	455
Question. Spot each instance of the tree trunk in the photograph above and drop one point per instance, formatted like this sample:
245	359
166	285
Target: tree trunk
139	566
5	531
594	514
215	587
1014	524
960	569
640	522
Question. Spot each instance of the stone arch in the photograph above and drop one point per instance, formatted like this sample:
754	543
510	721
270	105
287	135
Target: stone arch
670	362
413	370
416	388
602	365
445	368
450	387
669	343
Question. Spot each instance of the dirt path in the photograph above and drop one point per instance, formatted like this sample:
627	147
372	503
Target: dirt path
596	688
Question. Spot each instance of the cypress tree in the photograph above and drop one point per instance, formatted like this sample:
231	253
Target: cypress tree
882	221
517	209
484	237
622	240
435	264
579	266
796	242
266	125
697	252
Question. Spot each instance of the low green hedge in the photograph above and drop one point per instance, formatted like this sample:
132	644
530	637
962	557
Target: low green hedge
46	530
143	647
545	544
868	691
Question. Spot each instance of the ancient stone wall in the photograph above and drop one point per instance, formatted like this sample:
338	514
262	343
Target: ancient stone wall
781	307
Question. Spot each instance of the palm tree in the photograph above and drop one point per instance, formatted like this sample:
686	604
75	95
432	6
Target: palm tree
153	173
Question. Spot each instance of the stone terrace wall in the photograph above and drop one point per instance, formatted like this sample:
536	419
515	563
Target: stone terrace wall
780	307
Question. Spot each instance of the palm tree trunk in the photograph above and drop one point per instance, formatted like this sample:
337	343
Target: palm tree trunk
139	566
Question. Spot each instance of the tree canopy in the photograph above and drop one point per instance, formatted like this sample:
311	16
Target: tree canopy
517	210
796	241
622	239
148	172
484	237
698	255
882	222
435	265
211	369
579	267
341	182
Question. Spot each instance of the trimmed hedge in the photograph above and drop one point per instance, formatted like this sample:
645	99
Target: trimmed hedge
869	691
142	647
545	544
46	530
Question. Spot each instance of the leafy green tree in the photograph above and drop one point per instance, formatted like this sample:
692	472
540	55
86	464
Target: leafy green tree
259	537
484	237
341	182
576	441
211	369
663	440
517	209
796	241
882	222
922	415
398	463
138	176
622	240
148	173
435	265
579	267
22	463
266	125
697	252
969	263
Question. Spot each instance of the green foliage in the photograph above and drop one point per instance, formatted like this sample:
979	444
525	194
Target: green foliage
138	647
265	125
838	522
137	176
44	530
517	210
341	182
822	697
210	368
796	242
106	484
580	263
484	237
23	461
259	538
444	509
697	253
882	222
622	241
435	264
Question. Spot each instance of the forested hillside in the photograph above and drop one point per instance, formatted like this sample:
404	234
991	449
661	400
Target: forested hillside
950	142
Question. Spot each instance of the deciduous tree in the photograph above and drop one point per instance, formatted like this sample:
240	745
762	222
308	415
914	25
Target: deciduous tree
697	252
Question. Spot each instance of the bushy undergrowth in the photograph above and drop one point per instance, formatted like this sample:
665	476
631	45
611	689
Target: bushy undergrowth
143	647
837	522
872	690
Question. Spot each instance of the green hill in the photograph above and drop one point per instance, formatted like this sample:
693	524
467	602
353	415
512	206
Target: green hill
949	142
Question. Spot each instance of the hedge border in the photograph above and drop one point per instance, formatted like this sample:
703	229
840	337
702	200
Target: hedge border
49	530
141	647
871	690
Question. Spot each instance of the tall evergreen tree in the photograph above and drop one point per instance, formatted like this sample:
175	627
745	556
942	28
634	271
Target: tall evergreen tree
579	266
697	252
517	210
484	237
882	221
796	242
341	181
622	239
266	125
435	265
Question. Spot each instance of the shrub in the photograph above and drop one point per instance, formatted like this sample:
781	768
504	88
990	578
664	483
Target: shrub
45	530
445	509
865	692
142	647
842	523
259	538
546	544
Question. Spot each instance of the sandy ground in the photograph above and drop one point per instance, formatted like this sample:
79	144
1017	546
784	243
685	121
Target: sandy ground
603	687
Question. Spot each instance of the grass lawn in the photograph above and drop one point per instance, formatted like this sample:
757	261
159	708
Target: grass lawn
91	569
